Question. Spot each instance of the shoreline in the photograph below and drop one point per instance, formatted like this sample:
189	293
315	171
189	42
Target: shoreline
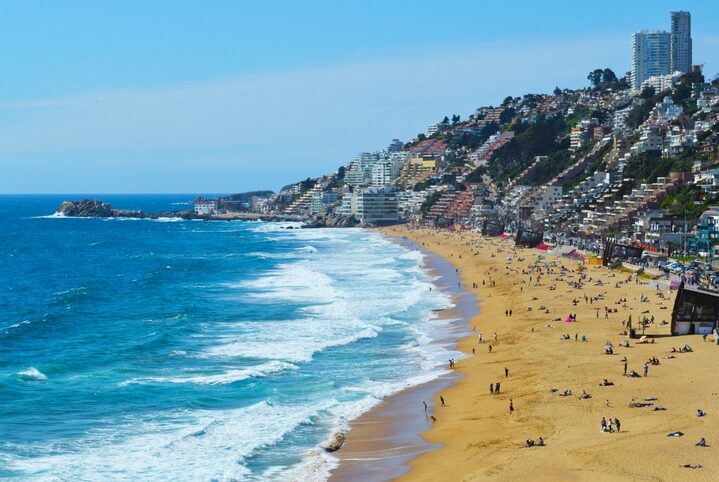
384	439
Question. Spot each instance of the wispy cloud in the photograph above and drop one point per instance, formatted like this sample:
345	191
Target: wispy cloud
302	121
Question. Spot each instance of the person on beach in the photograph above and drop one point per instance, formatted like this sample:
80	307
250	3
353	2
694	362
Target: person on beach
496	387
491	388
618	425
604	424
646	369
511	406
425	406
441	399
490	348
506	372
625	367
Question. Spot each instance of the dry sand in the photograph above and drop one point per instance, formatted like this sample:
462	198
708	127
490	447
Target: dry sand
481	440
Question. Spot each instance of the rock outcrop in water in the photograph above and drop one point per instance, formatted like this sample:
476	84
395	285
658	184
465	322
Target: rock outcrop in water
332	222
336	443
92	208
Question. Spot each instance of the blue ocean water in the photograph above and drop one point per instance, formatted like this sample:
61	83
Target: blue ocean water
191	350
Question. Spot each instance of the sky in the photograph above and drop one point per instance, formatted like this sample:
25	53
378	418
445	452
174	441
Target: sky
230	96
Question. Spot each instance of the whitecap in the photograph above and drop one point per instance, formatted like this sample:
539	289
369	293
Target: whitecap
229	376
32	373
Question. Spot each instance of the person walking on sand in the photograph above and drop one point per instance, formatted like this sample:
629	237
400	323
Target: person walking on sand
425	406
646	369
511	406
496	387
510	312
618	425
625	367
441	399
495	337
490	348
506	372
491	388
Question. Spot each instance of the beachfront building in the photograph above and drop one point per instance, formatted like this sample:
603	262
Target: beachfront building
376	206
650	55
696	311
320	201
205	207
371	205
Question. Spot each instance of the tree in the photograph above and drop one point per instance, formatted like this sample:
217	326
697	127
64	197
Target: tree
455	119
507	100
557	91
506	115
609	77
595	77
647	92
341	172
445	121
421	137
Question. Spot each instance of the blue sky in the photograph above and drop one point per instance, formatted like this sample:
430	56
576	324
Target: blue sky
227	96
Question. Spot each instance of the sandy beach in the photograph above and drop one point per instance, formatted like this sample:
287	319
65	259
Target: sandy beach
546	357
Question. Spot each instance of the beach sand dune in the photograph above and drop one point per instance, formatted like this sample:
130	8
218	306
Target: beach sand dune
481	439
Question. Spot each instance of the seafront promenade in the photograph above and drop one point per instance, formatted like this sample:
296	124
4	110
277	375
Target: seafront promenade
559	378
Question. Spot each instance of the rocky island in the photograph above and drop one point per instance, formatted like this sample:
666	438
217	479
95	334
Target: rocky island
94	208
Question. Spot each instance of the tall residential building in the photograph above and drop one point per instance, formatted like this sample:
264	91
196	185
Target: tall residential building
650	55
681	42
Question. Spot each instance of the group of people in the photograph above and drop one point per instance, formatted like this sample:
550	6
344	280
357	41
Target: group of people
609	425
531	443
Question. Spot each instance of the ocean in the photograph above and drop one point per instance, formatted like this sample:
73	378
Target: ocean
193	350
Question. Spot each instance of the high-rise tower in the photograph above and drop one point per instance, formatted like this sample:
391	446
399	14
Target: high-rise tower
650	55
681	42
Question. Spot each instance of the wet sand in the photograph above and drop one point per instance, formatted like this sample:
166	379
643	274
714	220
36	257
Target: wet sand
383	440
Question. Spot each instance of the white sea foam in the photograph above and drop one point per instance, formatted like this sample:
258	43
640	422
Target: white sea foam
183	445
277	227
307	249
55	215
32	373
229	376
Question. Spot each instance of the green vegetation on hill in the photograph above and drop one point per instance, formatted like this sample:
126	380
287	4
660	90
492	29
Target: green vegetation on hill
430	201
530	140
690	201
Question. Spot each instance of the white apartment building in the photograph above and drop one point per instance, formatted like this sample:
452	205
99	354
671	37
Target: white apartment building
371	205
650	55
205	207
321	200
382	174
550	196
660	83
